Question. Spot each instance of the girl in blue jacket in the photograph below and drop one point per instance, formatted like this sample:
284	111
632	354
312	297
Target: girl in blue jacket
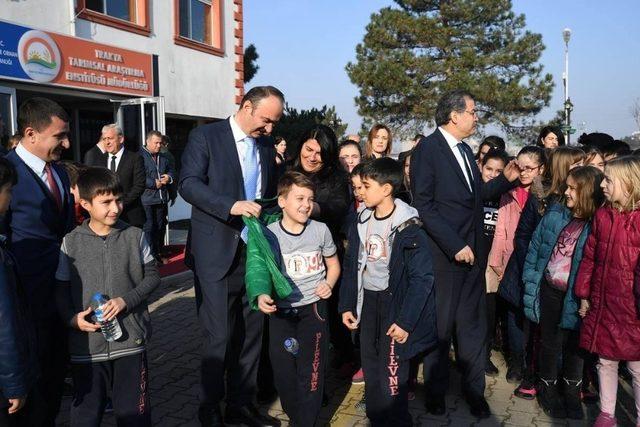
549	273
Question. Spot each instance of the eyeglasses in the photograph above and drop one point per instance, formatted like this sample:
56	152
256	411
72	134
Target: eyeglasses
528	169
472	112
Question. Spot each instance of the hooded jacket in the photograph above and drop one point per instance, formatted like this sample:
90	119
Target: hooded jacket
609	277
114	266
413	305
544	240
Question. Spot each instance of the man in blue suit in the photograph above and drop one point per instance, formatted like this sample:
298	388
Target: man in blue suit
448	193
40	214
226	166
159	177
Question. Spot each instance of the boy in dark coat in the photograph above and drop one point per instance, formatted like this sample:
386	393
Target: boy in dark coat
387	291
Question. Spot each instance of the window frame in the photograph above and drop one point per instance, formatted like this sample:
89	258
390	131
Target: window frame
217	30
142	26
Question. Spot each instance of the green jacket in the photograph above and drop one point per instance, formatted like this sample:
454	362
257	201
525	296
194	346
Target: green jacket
264	266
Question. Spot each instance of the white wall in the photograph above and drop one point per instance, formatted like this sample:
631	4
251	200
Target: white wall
193	83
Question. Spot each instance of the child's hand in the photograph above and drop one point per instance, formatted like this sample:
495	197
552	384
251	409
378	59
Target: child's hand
79	322
398	334
323	290
16	404
266	304
584	307
113	307
349	320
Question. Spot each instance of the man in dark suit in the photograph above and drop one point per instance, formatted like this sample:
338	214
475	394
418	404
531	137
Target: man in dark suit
129	167
225	167
159	177
448	193
96	155
39	216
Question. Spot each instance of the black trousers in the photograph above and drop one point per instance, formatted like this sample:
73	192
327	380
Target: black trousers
43	403
299	378
555	340
386	376
154	226
232	337
125	379
460	313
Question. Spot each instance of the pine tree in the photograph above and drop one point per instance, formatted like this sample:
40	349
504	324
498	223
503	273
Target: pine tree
413	53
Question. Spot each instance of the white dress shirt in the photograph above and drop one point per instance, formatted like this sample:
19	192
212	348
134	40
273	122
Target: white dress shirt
453	143
118	158
36	164
239	138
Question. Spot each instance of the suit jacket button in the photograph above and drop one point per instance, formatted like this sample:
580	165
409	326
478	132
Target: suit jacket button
236	236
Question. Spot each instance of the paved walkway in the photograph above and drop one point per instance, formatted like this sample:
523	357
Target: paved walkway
174	358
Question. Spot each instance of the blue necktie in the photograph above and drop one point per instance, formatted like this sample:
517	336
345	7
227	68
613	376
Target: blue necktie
250	169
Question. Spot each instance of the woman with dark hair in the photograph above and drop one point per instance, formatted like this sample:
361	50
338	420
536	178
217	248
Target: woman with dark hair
491	142
350	154
281	150
378	142
550	137
317	158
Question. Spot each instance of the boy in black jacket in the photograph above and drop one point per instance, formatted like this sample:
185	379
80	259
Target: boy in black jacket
387	291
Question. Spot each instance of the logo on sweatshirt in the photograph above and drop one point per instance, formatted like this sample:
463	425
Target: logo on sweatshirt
300	265
376	248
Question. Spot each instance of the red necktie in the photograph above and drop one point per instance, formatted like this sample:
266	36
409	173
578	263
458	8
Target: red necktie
53	186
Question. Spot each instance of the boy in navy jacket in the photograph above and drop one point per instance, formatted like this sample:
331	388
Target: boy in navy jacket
387	291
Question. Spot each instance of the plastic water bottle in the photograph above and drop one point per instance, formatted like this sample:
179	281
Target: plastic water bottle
110	328
292	346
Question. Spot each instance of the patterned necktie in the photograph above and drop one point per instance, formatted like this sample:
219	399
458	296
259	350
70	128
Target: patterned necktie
465	160
250	169
53	186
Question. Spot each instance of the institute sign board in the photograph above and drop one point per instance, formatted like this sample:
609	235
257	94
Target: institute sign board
36	56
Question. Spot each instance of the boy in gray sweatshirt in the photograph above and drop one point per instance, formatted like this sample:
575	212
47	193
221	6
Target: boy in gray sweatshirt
108	256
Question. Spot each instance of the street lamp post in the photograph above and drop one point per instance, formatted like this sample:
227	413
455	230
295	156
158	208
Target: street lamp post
568	106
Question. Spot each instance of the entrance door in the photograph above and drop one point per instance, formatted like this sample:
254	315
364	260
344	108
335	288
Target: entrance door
137	116
8	114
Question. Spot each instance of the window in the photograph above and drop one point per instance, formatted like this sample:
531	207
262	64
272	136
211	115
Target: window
199	25
128	15
121	9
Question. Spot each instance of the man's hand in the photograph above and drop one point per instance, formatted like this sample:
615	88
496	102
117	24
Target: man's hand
323	290
349	320
246	208
466	255
113	307
398	334
512	171
158	184
584	307
16	404
79	322
164	179
266	304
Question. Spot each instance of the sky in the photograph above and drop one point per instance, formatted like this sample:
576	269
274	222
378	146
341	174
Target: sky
304	46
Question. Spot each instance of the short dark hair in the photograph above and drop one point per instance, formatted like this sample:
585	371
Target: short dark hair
258	93
535	151
8	174
348	142
384	170
291	178
450	102
497	154
617	148
153	133
74	169
96	181
357	170
37	113
546	131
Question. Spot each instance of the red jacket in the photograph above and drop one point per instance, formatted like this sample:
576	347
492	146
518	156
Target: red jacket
607	276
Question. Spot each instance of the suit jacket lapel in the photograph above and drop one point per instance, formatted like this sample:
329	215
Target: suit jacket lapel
228	145
264	152
42	185
453	162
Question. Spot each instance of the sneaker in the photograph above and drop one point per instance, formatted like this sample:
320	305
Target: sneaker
526	390
549	399
361	406
605	420
358	377
572	401
490	369
108	408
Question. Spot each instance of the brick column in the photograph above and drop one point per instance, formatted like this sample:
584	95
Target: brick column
239	49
